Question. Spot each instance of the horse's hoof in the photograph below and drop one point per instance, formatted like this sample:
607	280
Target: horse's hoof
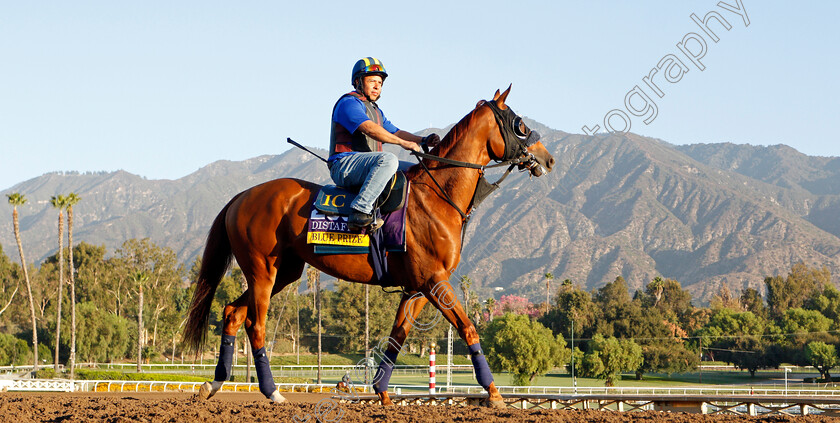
385	399
494	403
208	389
276	397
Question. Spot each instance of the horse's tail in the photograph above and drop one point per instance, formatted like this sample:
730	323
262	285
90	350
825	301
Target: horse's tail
214	264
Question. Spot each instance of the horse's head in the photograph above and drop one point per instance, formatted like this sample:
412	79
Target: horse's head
514	140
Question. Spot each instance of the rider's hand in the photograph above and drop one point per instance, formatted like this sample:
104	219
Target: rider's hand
413	146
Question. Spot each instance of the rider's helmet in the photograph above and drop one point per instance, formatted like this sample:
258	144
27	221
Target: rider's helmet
365	67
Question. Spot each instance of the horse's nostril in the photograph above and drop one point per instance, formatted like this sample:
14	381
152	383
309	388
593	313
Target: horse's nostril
551	162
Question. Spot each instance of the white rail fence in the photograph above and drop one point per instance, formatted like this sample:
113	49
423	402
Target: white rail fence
62	385
239	370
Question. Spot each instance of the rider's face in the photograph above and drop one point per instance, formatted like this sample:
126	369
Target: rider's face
372	86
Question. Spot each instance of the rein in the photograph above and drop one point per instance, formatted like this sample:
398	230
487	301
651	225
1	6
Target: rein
477	197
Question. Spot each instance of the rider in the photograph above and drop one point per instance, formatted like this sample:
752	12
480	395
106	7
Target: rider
358	130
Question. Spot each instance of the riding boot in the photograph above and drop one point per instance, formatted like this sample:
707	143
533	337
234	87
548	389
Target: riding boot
360	220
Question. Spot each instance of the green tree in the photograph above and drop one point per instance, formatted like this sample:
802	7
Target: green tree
799	320
572	305
800	327
92	275
607	358
16	199
103	336
751	301
792	291
822	356
7	294
667	356
740	338
348	319
161	292
616	314
725	299
613	293
670	299
827	302
523	347
13	351
59	202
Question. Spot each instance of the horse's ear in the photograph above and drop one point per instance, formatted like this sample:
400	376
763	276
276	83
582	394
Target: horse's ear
496	96
500	100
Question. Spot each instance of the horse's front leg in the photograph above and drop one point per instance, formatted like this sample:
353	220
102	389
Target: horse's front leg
443	297
410	307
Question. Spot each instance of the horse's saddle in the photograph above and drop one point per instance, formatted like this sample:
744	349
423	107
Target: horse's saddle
335	200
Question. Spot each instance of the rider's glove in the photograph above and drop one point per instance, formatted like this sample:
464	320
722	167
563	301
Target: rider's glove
429	141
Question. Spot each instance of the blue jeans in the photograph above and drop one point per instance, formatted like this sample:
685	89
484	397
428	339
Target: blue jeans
370	172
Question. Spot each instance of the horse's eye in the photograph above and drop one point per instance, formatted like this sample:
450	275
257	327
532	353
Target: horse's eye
519	127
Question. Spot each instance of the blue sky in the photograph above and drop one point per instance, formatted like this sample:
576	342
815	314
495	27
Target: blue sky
161	89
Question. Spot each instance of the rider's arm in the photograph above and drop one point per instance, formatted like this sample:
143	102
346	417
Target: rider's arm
401	138
408	136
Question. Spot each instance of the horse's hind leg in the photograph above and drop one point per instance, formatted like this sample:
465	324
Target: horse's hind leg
265	281
234	315
251	309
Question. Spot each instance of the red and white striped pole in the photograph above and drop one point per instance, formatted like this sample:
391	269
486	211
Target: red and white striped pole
432	370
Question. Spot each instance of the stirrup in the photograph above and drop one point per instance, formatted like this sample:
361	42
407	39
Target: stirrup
359	220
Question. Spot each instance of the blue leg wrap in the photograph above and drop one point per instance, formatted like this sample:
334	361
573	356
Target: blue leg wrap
482	369
383	373
225	358
267	386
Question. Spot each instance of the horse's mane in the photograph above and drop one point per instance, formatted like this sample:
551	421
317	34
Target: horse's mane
448	141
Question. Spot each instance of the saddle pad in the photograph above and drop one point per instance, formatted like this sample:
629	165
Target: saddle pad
329	234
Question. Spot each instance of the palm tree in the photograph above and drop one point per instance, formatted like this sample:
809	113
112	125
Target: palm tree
59	202
548	277
72	199
140	279
17	199
491	308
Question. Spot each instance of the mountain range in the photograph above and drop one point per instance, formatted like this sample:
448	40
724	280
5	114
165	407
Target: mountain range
615	204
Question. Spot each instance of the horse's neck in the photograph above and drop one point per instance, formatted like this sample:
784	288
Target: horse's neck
468	145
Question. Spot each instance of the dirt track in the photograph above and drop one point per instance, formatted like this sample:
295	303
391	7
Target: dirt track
252	407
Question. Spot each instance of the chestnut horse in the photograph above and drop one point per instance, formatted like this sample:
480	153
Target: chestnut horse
265	229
